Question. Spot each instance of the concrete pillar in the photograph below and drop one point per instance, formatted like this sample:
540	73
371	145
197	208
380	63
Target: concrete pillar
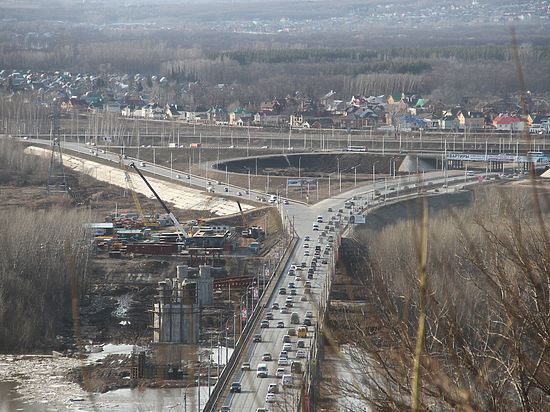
182	272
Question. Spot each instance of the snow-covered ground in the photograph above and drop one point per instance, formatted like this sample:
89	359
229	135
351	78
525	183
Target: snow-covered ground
183	197
37	383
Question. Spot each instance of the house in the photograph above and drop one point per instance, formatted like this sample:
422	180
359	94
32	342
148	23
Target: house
319	123
267	118
328	99
471	120
506	122
449	122
75	104
172	111
218	115
412	123
273	106
237	114
244	121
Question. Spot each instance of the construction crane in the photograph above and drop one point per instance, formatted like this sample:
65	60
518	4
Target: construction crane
182	232
146	220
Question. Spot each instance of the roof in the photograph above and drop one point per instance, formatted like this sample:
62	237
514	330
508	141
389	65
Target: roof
421	102
505	119
241	112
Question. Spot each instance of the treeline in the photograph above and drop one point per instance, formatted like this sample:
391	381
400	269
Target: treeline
461	53
43	262
43	265
487	299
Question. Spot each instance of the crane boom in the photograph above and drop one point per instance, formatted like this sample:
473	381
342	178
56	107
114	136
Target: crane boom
147	221
245	223
174	219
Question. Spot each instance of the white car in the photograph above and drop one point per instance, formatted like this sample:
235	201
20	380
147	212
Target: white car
270	398
301	353
280	372
283	362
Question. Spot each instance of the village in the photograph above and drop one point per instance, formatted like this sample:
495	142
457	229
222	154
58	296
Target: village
155	97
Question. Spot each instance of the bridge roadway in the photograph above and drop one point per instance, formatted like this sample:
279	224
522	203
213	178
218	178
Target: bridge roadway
253	389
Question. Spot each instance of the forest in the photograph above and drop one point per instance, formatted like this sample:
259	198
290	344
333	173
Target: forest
470	284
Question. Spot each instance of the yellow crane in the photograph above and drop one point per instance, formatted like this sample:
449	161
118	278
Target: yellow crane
146	220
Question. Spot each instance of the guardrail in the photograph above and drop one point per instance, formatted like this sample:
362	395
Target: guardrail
235	359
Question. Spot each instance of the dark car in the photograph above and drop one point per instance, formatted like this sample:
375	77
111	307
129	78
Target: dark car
307	321
282	291
257	337
235	387
269	315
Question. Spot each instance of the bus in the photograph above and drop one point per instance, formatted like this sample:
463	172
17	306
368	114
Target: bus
356	149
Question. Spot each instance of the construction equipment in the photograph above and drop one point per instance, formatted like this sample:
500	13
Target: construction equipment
252	231
245	231
145	220
182	233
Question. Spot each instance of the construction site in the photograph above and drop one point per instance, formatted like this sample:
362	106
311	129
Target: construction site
173	278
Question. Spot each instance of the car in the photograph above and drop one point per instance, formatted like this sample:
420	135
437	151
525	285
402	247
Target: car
324	262
289	299
142	164
286	202
287	347
261	370
245	366
306	239
282	291
297	279
309	314
291	272
306	245
306	252
257	338
291	285
275	306
291	331
310	275
303	264
225	408
282	362
301	343
301	354
315	227
289	304
284	310
188	177
270	398
329	209
178	176
226	189
293	292
286	339
280	372
470	173
266	356
280	324
239	193
235	387
307	285
264	324
307	321
284	353
261	410
269	316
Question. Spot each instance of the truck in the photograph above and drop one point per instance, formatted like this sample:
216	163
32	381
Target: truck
195	145
294	318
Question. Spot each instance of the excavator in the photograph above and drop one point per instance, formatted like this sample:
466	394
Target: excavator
248	231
